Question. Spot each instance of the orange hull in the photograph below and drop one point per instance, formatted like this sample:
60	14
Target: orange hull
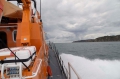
29	33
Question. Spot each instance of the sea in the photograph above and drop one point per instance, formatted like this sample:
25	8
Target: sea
92	60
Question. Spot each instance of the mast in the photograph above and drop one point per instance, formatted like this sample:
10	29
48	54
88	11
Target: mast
26	20
29	31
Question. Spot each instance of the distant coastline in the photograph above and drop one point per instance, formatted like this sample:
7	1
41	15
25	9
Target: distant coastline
102	39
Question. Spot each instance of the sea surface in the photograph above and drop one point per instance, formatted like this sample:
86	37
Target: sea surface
92	60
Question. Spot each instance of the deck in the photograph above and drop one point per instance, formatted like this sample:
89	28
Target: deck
54	64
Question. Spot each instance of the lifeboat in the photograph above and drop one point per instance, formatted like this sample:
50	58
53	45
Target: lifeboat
24	53
23	50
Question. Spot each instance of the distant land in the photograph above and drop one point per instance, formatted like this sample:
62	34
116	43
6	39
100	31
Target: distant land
102	39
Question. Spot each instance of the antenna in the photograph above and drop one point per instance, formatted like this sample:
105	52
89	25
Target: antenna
40	12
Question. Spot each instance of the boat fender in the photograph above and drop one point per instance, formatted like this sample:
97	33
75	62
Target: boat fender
49	71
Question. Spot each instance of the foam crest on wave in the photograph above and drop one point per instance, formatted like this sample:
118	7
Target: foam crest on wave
93	69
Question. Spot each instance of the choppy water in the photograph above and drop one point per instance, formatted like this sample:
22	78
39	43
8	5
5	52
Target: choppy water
92	60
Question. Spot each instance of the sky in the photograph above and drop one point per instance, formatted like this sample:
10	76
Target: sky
65	21
69	20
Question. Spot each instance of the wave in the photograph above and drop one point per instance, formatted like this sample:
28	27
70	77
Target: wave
93	69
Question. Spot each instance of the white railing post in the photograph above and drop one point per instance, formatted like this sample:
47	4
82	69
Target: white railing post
69	71
70	66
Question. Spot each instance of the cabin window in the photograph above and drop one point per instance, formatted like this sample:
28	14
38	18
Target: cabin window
3	37
14	34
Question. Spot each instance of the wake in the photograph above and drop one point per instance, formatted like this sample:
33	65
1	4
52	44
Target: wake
93	69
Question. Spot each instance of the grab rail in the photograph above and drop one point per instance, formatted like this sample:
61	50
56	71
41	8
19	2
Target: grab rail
35	73
70	66
64	70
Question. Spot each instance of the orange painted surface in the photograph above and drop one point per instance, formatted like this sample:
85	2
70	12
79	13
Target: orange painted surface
1	8
30	33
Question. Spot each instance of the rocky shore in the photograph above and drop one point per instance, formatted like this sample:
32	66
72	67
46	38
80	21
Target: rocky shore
102	39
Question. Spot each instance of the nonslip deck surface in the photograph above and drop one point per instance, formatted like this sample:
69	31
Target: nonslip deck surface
57	74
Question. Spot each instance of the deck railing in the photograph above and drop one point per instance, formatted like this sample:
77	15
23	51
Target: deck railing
71	67
63	68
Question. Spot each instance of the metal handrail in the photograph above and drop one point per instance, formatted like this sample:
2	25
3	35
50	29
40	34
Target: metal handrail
53	47
65	71
34	74
70	66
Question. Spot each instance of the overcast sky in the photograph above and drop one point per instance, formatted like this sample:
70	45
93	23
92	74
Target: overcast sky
69	20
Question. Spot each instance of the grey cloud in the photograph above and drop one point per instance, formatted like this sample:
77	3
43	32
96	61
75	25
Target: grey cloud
80	18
